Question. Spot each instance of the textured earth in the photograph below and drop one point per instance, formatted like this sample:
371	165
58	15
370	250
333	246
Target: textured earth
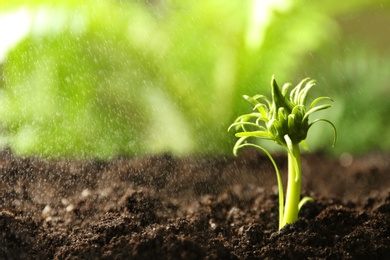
162	207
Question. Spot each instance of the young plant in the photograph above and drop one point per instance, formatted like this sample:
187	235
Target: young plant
284	120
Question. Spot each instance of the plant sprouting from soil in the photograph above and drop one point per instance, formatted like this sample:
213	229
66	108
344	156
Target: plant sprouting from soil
284	120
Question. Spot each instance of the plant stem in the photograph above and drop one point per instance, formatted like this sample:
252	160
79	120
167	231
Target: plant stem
293	192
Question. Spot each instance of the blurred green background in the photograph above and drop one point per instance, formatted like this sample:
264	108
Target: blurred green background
96	79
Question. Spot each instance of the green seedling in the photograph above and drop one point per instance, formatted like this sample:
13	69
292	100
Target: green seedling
284	120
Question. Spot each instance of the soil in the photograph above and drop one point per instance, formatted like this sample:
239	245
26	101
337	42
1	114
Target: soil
163	207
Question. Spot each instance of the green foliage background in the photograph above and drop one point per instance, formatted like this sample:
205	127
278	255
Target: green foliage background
102	78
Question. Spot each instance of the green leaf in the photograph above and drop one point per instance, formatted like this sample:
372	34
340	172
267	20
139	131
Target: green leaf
294	95
303	201
304	92
329	122
315	101
314	109
278	99
292	125
237	145
285	88
247	117
254	134
246	123
262	109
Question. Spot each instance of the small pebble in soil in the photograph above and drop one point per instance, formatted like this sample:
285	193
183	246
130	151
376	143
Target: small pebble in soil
69	208
46	211
85	193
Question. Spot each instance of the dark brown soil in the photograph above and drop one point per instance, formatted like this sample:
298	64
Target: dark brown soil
161	207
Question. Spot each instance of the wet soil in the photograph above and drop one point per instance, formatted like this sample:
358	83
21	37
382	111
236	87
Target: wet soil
162	207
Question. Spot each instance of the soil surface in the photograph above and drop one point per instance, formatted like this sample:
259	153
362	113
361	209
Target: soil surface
162	207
